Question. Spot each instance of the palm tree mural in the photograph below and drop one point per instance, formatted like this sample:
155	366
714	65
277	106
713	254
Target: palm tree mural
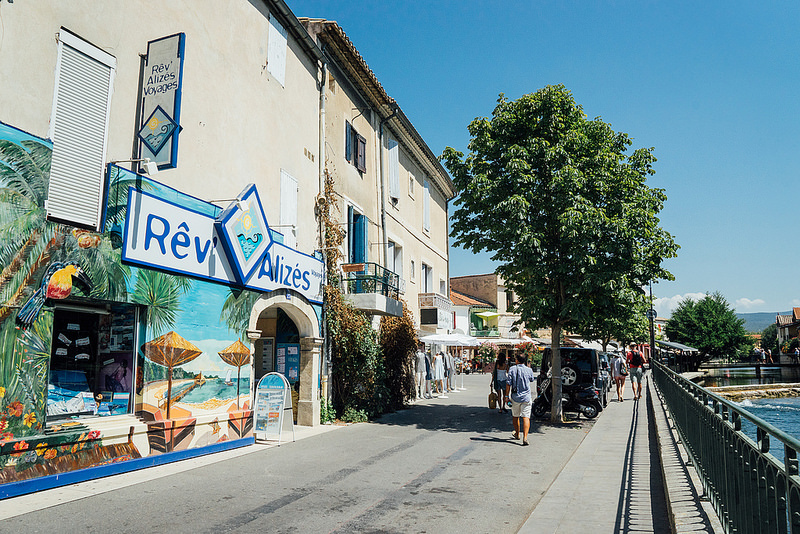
161	294
27	239
236	311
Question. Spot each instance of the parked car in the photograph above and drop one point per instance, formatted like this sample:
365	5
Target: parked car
581	367
580	376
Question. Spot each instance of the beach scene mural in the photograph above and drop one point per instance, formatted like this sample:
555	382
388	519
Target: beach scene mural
185	384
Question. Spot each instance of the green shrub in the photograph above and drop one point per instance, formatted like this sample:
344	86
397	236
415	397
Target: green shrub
352	415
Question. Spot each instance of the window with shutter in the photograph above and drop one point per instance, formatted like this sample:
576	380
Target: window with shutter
276	51
361	162
348	142
288	221
426	207
390	256
79	130
393	162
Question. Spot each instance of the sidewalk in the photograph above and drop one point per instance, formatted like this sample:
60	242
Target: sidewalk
614	482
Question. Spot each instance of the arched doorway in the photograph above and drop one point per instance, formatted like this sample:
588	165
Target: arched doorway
286	338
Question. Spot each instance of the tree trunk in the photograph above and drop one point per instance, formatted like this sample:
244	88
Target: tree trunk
556	415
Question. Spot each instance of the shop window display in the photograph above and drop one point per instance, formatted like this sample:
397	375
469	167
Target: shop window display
92	363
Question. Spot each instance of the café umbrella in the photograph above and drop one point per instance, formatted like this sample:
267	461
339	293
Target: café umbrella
237	355
170	350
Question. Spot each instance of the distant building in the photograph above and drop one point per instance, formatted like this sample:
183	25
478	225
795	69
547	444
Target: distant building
788	325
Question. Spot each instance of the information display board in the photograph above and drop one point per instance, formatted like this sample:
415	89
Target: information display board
287	361
273	399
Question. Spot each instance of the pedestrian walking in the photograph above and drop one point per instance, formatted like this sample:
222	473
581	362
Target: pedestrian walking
518	385
428	375
769	355
619	372
636	363
420	371
499	376
796	354
438	374
451	377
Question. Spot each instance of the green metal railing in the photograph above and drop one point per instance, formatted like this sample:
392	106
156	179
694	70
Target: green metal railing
754	487
371	278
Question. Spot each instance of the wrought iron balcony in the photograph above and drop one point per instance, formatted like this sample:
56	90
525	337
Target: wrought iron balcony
372	288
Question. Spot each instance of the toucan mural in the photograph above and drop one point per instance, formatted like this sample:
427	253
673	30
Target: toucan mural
57	284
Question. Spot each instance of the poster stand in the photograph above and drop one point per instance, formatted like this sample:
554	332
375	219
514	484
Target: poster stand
273	399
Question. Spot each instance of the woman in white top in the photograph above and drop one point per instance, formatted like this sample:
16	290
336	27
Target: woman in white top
438	372
619	378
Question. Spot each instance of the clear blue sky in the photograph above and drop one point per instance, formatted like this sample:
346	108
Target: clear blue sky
712	86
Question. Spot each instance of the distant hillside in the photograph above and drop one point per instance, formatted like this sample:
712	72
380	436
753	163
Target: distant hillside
756	322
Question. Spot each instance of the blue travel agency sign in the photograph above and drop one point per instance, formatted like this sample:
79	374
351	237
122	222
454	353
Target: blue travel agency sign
228	249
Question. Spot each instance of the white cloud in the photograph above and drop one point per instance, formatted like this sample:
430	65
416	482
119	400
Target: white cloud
746	304
665	305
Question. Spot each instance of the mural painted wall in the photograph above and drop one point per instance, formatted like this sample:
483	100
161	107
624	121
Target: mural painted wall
137	362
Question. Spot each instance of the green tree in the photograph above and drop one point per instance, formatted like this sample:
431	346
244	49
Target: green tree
622	318
710	325
769	337
560	205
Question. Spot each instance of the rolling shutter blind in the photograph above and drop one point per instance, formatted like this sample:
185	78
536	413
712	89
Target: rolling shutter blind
288	209
79	130
394	167
276	51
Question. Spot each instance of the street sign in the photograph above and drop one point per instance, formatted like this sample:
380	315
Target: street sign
651	314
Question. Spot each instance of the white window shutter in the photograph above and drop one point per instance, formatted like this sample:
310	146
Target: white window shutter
276	51
288	223
426	207
79	130
393	161
390	256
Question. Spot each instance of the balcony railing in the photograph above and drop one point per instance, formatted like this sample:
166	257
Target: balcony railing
435	300
491	332
359	278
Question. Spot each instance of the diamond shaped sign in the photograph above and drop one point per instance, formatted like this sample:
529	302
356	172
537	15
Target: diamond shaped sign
157	130
244	233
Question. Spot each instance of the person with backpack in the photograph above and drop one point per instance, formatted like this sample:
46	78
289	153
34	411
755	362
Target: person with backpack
636	365
619	370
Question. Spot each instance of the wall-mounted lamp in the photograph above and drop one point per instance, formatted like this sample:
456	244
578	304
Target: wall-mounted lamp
150	167
241	204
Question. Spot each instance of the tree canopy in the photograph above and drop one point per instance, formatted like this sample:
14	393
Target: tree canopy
710	325
555	198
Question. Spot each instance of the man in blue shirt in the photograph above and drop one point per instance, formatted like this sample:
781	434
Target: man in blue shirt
519	386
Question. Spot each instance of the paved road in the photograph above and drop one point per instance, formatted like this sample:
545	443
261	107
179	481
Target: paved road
445	465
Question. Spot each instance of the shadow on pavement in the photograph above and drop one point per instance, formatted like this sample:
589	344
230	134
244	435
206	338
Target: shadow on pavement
470	419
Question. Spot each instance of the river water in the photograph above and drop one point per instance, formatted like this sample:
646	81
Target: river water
783	413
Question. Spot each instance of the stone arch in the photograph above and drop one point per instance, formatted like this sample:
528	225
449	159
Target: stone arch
296	307
304	317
